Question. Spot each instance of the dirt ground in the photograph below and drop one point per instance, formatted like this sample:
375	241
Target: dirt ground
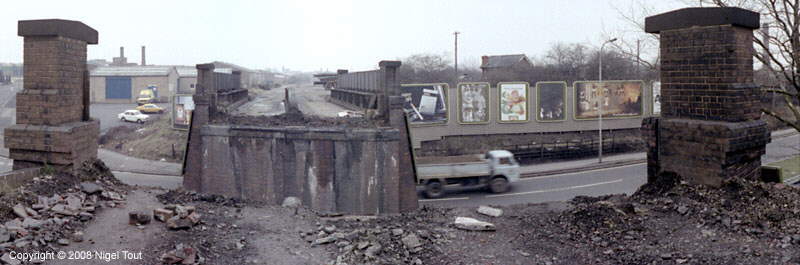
156	140
666	222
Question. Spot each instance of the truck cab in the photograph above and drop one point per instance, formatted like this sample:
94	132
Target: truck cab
504	164
494	170
147	95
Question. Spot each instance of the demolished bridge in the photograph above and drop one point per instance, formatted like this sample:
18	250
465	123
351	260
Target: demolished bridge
341	165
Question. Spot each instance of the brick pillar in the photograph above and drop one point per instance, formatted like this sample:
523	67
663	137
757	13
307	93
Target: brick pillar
388	83
407	182
53	126
710	128
204	102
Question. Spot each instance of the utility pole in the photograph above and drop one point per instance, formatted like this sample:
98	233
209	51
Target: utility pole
638	60
456	53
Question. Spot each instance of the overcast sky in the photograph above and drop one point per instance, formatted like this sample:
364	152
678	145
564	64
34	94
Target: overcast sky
314	35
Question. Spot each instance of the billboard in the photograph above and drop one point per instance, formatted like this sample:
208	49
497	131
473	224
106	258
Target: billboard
513	101
656	98
182	107
617	99
551	101
425	103
473	101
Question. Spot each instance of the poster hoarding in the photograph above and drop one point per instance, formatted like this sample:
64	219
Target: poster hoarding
513	101
619	99
551	101
473	101
425	103
182	108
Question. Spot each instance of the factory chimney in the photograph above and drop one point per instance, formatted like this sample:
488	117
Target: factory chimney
121	52
144	62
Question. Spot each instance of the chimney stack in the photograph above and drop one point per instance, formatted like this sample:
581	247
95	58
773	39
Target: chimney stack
144	62
121	52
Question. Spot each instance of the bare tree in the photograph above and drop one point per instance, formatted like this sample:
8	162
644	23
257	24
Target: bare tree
778	52
425	68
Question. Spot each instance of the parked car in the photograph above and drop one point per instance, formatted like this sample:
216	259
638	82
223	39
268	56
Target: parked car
495	170
133	116
150	108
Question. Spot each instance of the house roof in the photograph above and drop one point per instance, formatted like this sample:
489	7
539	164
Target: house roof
132	71
499	61
186	71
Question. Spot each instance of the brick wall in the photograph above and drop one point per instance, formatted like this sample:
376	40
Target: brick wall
710	128
704	72
53	126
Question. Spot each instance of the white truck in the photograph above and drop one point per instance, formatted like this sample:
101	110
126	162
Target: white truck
496	169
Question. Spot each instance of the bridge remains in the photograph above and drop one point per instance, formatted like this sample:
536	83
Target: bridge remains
344	165
53	124
710	128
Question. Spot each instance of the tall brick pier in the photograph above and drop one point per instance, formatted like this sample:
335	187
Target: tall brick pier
53	125
710	128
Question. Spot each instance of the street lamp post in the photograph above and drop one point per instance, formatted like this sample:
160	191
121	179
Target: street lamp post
456	53
600	101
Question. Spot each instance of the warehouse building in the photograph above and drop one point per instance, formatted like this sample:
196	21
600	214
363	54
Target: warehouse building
122	84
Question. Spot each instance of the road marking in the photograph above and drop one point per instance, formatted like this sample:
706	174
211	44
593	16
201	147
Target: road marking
581	172
444	199
557	189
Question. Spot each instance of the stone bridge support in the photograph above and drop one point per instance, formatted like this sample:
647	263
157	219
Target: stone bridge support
351	169
53	125
710	128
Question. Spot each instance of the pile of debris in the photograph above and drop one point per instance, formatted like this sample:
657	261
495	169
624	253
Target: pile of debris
401	239
673	221
181	196
52	208
182	254
290	119
177	216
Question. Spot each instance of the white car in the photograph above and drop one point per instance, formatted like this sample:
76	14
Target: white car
133	116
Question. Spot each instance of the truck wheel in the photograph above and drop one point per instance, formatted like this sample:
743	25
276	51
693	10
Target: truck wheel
434	189
498	185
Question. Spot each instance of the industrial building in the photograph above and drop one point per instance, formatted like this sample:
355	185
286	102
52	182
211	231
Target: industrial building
187	79
122	84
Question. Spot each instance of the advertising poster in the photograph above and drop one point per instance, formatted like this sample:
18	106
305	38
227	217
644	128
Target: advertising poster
551	101
656	98
473	99
618	99
513	102
183	105
425	103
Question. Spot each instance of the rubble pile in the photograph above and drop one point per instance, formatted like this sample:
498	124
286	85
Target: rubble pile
177	217
212	236
672	221
402	239
300	120
52	208
182	254
182	197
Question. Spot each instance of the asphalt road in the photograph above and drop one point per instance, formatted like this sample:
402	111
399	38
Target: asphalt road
107	114
8	99
563	187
